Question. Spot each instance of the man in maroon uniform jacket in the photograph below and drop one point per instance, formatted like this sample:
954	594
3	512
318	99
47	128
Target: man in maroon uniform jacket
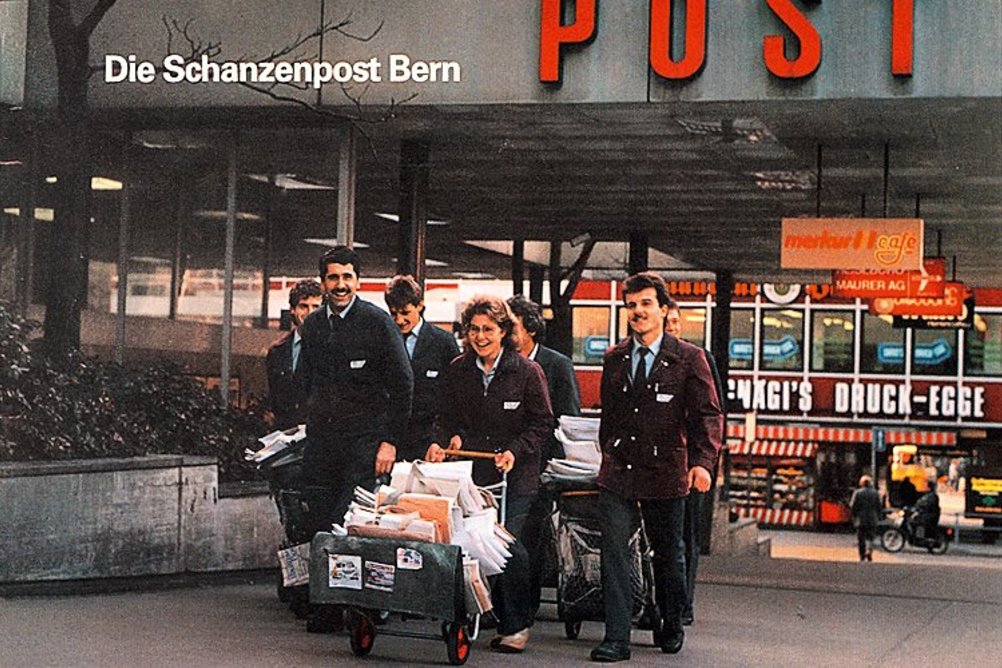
657	396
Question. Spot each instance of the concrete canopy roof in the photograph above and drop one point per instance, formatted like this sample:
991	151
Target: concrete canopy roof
707	182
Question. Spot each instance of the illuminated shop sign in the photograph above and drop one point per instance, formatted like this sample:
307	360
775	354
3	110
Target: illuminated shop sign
882	244
864	398
928	282
678	62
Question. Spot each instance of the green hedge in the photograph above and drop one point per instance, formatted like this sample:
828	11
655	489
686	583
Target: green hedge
83	408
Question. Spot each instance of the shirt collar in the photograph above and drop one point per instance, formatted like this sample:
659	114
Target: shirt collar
655	347
416	332
497	362
296	337
342	314
533	352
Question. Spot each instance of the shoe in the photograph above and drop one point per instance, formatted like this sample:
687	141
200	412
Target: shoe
672	636
511	644
687	618
610	652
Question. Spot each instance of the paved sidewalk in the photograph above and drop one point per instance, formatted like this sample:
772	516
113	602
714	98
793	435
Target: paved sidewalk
752	611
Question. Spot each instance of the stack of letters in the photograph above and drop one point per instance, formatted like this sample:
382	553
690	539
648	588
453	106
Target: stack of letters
579	437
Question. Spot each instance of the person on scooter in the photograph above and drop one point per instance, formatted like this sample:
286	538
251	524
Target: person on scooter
927	512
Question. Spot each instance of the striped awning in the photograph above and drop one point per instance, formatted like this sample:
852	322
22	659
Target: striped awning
781	432
768	448
773	517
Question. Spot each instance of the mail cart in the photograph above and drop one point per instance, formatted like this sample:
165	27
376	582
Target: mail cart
369	575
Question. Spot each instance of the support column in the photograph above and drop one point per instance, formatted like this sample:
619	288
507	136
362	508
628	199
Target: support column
720	334
26	233
413	209
639	245
518	267
273	197
182	214
123	254
536	276
226	341
347	175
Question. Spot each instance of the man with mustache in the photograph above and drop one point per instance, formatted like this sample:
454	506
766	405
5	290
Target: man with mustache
360	385
658	405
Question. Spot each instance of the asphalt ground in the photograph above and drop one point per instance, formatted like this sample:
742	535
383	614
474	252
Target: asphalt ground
918	609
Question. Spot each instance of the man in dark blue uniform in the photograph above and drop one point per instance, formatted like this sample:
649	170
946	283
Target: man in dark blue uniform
286	394
527	334
360	384
430	350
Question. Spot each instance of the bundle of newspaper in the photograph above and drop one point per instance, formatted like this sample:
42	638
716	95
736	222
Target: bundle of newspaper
274	443
579	437
434	502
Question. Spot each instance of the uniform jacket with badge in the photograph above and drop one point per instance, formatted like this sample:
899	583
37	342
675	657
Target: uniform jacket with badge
286	390
358	375
513	413
433	351
646	432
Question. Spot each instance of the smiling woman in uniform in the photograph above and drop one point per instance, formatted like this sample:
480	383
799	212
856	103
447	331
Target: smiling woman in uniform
494	400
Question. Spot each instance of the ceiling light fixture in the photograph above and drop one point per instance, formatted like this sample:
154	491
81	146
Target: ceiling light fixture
396	219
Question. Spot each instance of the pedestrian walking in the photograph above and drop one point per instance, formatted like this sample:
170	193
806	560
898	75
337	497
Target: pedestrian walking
865	508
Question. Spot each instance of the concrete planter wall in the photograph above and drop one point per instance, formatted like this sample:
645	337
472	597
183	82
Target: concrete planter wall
153	515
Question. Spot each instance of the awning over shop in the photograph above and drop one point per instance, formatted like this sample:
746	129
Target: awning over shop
773	517
842	434
801	449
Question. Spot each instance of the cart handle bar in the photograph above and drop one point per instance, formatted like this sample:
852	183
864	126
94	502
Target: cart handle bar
471	454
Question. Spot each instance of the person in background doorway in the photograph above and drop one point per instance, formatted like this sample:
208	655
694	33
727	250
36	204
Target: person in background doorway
360	383
865	508
953	475
657	396
527	334
430	350
286	393
494	400
695	502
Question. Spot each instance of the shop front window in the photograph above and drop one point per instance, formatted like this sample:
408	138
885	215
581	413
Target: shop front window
831	341
591	333
883	347
693	326
782	343
934	352
741	347
983	345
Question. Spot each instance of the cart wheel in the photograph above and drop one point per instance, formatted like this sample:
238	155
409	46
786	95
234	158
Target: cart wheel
572	630
457	644
362	633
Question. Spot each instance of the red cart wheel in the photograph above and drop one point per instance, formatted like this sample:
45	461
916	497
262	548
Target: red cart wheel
457	643
362	633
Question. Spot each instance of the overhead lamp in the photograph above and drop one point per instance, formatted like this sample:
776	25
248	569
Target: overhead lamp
104	183
41	213
396	219
332	241
13	162
291	182
220	214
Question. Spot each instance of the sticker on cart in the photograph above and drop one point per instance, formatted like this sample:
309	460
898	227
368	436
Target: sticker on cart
379	576
409	560
344	571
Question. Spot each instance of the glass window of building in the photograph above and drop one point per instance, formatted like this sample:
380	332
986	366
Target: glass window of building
883	347
591	333
983	346
694	326
742	344
832	335
782	341
934	352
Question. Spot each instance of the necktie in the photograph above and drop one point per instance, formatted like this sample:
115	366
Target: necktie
640	376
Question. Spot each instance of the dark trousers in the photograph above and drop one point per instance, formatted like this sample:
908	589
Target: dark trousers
510	591
533	538
663	523
690	534
864	538
332	468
